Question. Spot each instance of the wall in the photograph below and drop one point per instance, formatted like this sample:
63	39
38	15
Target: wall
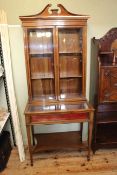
102	18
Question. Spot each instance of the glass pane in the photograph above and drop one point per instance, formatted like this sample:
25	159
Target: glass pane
41	63
70	87
70	65
57	107
41	66
70	60
43	89
40	41
70	40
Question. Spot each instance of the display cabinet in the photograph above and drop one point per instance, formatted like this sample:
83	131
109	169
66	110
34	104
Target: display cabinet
55	51
105	96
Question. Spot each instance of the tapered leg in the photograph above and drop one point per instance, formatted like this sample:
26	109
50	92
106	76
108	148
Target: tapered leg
90	129
29	131
81	128
32	128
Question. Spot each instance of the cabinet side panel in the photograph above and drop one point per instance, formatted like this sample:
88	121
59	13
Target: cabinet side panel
93	95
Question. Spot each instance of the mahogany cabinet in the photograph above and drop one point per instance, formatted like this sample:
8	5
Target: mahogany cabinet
55	51
105	95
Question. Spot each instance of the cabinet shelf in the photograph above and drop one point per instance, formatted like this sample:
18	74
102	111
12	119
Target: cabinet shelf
105	53
70	76
3	121
44	97
73	74
70	53
41	55
42	76
71	95
62	96
108	64
55	141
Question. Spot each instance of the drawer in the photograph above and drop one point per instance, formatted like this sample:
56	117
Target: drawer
59	118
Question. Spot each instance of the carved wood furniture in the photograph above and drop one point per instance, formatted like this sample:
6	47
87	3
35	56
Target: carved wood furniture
55	52
105	98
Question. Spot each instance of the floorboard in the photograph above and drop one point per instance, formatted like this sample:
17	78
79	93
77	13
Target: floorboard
71	162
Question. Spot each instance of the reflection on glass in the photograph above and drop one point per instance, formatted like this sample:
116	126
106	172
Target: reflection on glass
70	65
63	96
58	107
42	34
41	63
43	88
49	107
70	60
40	41
62	106
70	87
70	40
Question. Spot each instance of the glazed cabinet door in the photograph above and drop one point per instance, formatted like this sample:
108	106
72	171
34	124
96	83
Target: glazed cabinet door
40	64
108	89
70	55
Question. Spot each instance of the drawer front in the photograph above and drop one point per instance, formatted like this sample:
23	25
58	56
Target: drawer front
108	84
59	118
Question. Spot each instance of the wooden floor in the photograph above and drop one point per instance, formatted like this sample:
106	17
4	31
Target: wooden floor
104	162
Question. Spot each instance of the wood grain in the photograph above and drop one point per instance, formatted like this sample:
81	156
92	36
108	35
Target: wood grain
104	162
